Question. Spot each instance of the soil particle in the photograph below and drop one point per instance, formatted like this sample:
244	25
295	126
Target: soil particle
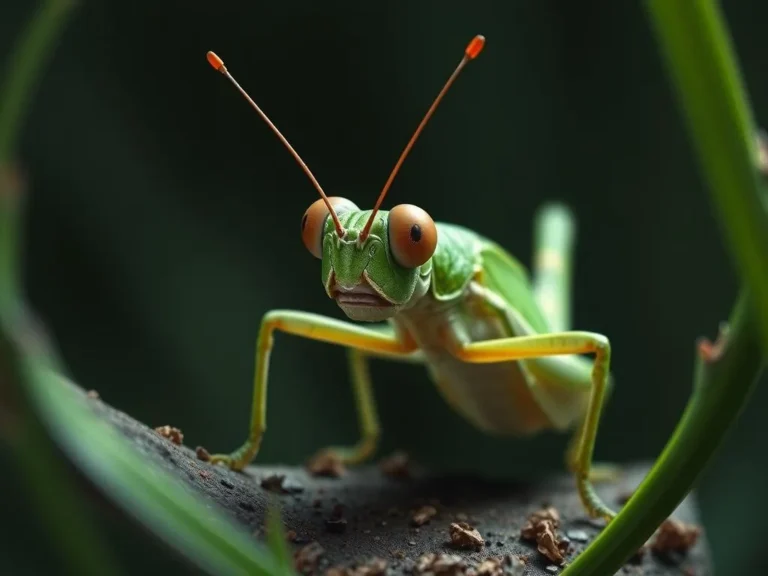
541	527
326	463
423	515
675	536
278	483
171	433
306	559
396	465
465	536
578	535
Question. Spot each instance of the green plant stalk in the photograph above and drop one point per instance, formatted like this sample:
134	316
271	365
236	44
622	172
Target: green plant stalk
701	63
694	41
721	391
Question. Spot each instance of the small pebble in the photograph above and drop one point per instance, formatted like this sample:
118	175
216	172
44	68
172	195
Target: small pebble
552	568
577	535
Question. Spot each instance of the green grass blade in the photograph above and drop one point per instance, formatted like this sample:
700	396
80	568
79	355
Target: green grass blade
721	391
67	521
144	490
32	385
694	41
277	538
699	57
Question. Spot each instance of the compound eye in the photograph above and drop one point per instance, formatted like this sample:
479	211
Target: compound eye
313	222
412	235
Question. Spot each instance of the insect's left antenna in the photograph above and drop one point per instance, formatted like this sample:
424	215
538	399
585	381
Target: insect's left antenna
471	52
218	64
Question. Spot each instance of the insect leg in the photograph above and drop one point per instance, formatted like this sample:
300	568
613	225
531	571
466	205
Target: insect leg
314	327
367	413
553	240
562	343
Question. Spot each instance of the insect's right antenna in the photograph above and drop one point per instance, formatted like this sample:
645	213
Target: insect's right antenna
218	64
474	48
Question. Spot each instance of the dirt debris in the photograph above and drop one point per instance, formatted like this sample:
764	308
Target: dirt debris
423	515
93	394
675	536
307	559
278	483
455	565
202	454
171	433
373	567
336	523
273	483
541	527
465	536
326	463
443	564
396	465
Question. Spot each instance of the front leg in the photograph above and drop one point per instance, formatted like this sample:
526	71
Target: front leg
315	327
561	343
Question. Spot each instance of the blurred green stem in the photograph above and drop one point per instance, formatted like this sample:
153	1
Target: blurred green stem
721	391
48	482
699	56
693	39
59	508
23	72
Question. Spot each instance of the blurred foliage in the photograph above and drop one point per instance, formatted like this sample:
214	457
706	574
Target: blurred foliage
164	216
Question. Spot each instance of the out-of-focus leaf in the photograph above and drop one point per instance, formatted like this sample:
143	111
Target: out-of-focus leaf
169	509
277	538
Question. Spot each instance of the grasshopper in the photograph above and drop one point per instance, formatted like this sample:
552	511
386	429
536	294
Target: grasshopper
495	341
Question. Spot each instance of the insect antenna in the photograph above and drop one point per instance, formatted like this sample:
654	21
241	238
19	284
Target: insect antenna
474	48
218	64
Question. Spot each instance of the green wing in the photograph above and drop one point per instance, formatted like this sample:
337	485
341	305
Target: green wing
507	277
455	260
461	253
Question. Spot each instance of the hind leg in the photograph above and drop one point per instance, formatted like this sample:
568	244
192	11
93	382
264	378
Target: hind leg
554	239
554	231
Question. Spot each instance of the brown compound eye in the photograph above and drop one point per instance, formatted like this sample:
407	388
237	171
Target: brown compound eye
313	222
412	235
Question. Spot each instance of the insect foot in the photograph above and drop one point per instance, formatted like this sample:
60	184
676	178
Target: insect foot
238	459
591	501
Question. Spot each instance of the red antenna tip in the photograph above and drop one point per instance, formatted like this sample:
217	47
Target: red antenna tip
475	46
215	61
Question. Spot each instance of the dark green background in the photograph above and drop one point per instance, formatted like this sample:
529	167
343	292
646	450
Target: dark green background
164	216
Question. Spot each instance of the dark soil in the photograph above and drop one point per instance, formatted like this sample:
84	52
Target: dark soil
366	514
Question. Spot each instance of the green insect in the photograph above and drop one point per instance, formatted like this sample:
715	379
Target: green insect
496	343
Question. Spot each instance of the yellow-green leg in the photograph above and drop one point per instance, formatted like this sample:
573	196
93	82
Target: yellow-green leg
562	343
366	413
599	472
323	329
